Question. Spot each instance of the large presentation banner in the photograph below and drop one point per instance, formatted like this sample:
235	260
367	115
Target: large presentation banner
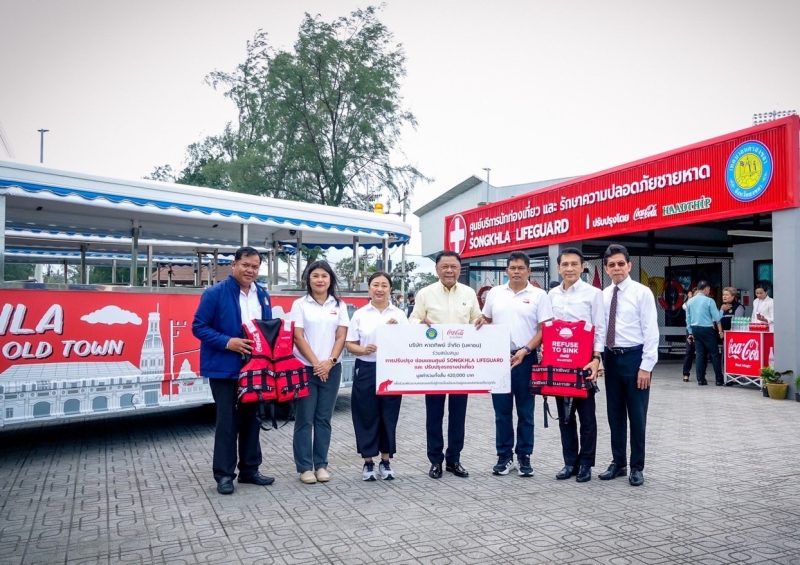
442	359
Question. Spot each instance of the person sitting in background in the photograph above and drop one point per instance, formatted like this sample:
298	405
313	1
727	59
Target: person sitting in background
763	308
730	307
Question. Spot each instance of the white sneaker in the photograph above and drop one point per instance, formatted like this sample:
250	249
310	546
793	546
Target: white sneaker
308	477
368	472
387	474
323	475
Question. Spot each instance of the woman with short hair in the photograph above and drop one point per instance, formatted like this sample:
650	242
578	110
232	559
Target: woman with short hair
730	307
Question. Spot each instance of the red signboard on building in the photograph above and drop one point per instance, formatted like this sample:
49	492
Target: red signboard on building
743	173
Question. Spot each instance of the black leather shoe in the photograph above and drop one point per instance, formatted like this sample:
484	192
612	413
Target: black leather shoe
457	469
719	383
566	472
584	474
225	485
636	479
613	472
702	383
436	471
257	479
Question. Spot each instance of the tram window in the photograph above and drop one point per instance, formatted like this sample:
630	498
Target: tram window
72	406
41	409
9	413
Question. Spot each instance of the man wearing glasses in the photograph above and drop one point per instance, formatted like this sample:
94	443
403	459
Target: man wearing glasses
630	353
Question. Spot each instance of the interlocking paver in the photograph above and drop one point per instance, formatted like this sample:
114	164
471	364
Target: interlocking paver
721	487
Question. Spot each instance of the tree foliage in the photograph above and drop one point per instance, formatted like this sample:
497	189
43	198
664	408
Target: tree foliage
320	123
369	263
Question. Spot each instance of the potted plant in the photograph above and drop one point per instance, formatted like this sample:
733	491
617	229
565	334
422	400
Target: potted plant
776	388
797	388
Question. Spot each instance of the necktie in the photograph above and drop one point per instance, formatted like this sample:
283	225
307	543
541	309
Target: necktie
611	333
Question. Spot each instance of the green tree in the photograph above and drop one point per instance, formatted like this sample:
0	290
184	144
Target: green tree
19	271
421	280
319	124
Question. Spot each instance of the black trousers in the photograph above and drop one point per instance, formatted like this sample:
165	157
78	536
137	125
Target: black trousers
626	403
705	340
575	452
434	416
234	421
374	416
688	357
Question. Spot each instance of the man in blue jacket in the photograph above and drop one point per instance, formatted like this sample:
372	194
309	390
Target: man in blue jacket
218	325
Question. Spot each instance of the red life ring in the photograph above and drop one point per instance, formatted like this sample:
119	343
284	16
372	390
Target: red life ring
481	292
674	288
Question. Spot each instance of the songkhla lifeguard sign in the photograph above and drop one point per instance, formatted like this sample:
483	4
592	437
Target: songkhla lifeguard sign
743	173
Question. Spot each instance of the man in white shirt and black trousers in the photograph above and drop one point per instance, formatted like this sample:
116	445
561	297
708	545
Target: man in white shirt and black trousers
629	356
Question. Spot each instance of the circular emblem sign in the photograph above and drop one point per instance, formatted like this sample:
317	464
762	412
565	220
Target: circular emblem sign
749	171
431	333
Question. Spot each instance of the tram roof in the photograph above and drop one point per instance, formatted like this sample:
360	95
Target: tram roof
59	209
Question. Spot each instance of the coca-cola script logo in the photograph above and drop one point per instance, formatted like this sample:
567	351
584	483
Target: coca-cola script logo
644	213
455	333
565	333
744	351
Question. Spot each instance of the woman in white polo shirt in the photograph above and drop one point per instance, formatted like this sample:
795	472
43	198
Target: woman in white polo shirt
374	416
320	328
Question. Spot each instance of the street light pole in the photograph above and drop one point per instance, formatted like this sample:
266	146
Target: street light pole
41	144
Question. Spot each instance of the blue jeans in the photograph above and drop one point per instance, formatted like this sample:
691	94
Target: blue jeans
313	417
503	412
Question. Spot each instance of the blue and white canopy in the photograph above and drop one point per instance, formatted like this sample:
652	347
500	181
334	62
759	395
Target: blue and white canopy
58	210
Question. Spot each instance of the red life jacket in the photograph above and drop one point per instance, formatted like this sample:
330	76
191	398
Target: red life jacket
272	372
566	349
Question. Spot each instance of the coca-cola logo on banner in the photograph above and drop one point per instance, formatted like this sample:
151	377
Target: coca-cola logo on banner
744	350
644	213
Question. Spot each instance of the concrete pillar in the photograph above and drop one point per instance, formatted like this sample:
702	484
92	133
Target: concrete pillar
786	271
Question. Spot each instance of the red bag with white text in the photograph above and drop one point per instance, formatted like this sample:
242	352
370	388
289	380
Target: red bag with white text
566	348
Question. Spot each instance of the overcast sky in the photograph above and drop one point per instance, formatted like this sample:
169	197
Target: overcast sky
534	90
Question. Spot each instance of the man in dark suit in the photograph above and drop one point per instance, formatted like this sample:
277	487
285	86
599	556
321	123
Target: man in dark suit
218	325
629	356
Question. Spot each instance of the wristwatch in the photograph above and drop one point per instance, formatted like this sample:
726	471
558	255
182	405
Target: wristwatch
597	357
526	348
334	360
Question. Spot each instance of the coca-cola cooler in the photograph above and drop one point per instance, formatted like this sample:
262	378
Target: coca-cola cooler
745	353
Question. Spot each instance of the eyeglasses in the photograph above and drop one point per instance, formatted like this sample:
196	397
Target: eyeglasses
612	264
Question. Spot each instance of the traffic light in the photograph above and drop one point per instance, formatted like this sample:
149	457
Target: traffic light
378	207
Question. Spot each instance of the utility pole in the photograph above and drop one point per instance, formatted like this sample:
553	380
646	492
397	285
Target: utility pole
41	144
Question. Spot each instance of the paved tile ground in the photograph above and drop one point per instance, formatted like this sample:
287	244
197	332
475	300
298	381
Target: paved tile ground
722	486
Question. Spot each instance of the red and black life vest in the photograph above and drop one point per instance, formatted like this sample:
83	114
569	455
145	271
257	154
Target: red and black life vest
566	349
271	371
